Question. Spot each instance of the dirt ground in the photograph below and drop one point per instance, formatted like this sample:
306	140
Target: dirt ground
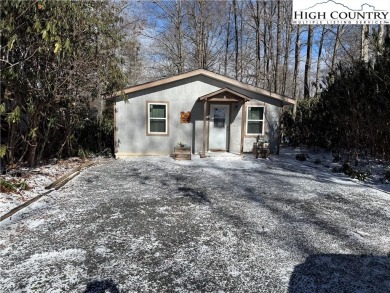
220	224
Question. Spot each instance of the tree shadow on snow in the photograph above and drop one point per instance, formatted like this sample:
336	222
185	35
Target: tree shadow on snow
103	286
195	195
341	273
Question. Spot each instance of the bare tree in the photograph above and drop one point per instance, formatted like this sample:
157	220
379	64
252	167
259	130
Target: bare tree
339	34
236	49
365	42
306	91
317	82
227	42
168	34
205	34
297	60
287	45
268	45
278	45
380	39
255	15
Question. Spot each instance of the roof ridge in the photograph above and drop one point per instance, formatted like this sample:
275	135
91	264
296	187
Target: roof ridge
209	74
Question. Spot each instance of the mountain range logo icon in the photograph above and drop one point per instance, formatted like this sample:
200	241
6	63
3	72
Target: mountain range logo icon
341	6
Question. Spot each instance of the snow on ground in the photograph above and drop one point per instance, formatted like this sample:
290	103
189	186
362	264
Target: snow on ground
326	162
219	224
36	179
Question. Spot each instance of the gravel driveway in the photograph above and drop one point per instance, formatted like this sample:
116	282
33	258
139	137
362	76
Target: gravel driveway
224	224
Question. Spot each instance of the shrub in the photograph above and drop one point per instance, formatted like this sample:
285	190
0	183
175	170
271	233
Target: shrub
12	186
7	186
301	157
352	112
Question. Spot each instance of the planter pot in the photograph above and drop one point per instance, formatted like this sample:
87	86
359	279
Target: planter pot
182	153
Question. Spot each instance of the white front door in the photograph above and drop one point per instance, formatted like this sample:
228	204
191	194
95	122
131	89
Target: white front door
219	127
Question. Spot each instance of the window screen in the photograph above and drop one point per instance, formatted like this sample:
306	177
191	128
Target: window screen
255	120
158	118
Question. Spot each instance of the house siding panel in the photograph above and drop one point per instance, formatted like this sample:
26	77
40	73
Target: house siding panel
182	95
235	128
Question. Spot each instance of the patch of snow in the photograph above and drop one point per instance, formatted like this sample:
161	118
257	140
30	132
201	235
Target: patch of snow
52	256
102	250
351	182
36	179
35	223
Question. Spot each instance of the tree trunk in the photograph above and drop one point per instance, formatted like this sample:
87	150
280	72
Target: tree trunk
364	42
339	33
270	43
227	43
43	145
319	58
235	39
180	38
381	38
256	17
258	43
33	142
265	50
306	91
11	143
241	50
278	46
296	62
287	49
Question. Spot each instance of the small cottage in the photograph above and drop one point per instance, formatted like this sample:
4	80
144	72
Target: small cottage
202	109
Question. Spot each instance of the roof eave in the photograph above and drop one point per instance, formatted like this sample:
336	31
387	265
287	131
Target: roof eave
285	100
224	90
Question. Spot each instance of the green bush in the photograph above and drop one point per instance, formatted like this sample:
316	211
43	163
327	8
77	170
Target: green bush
96	136
387	175
12	186
351	114
7	186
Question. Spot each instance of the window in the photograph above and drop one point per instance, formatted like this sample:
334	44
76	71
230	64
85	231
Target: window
219	117
157	118
255	120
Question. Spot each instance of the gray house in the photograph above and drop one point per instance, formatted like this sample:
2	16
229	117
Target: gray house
202	109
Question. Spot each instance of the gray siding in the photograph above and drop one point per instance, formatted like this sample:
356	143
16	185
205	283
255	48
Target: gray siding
132	138
235	130
131	119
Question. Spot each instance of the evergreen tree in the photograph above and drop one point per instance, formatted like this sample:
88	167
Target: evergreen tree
57	57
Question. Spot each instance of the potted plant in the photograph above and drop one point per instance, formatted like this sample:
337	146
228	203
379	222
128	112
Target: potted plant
182	152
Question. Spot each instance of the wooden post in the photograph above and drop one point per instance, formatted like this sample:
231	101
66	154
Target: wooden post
204	129
243	126
115	131
279	134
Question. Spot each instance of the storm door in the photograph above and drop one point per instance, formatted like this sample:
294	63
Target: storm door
219	127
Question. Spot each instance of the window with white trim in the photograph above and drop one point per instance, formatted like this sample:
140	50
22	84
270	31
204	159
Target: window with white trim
157	118
255	120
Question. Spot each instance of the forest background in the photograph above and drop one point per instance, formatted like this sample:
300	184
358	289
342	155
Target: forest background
59	58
